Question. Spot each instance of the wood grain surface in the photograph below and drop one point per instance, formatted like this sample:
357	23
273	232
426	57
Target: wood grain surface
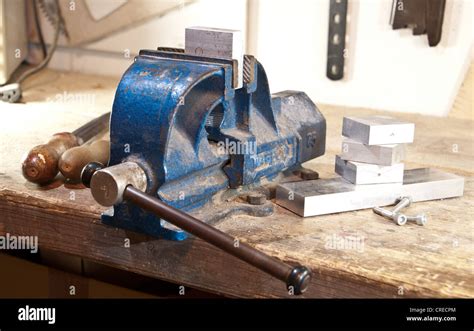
386	260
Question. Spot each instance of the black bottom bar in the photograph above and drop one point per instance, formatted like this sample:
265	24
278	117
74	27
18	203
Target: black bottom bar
259	314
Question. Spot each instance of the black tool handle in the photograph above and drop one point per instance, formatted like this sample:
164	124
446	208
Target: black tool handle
296	278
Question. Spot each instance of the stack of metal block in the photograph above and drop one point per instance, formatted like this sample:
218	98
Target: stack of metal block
373	149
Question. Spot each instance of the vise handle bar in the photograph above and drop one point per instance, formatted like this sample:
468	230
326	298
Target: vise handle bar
296	278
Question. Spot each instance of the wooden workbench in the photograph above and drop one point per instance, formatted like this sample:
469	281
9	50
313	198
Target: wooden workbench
392	261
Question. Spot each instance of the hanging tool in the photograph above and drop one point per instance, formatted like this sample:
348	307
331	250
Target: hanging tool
40	165
423	16
336	39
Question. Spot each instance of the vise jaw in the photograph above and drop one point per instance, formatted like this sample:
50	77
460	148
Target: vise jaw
183	120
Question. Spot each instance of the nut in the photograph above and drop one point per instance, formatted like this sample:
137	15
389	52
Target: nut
256	198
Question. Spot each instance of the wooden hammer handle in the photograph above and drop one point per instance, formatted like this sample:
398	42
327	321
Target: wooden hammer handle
75	159
40	165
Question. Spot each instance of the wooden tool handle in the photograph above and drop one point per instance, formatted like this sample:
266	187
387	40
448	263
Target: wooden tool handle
40	165
75	159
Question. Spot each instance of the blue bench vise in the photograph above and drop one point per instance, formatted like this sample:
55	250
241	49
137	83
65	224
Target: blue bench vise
184	119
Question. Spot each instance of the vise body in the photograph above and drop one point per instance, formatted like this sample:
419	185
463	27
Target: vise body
196	129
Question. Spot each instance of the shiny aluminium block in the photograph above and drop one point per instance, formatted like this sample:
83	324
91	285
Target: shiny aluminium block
366	173
376	154
335	195
378	130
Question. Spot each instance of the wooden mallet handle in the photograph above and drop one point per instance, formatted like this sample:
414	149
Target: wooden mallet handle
40	165
75	159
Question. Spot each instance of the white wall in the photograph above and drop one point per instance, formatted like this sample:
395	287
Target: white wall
112	55
385	69
13	37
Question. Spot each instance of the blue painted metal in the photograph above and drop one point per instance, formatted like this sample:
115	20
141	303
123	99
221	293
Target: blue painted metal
180	118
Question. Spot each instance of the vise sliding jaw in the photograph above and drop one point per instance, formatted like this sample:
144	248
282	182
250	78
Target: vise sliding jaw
183	120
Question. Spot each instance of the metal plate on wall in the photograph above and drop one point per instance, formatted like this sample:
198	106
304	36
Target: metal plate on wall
336	39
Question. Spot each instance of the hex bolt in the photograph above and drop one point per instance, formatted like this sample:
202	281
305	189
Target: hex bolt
403	202
421	219
307	174
398	218
256	198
